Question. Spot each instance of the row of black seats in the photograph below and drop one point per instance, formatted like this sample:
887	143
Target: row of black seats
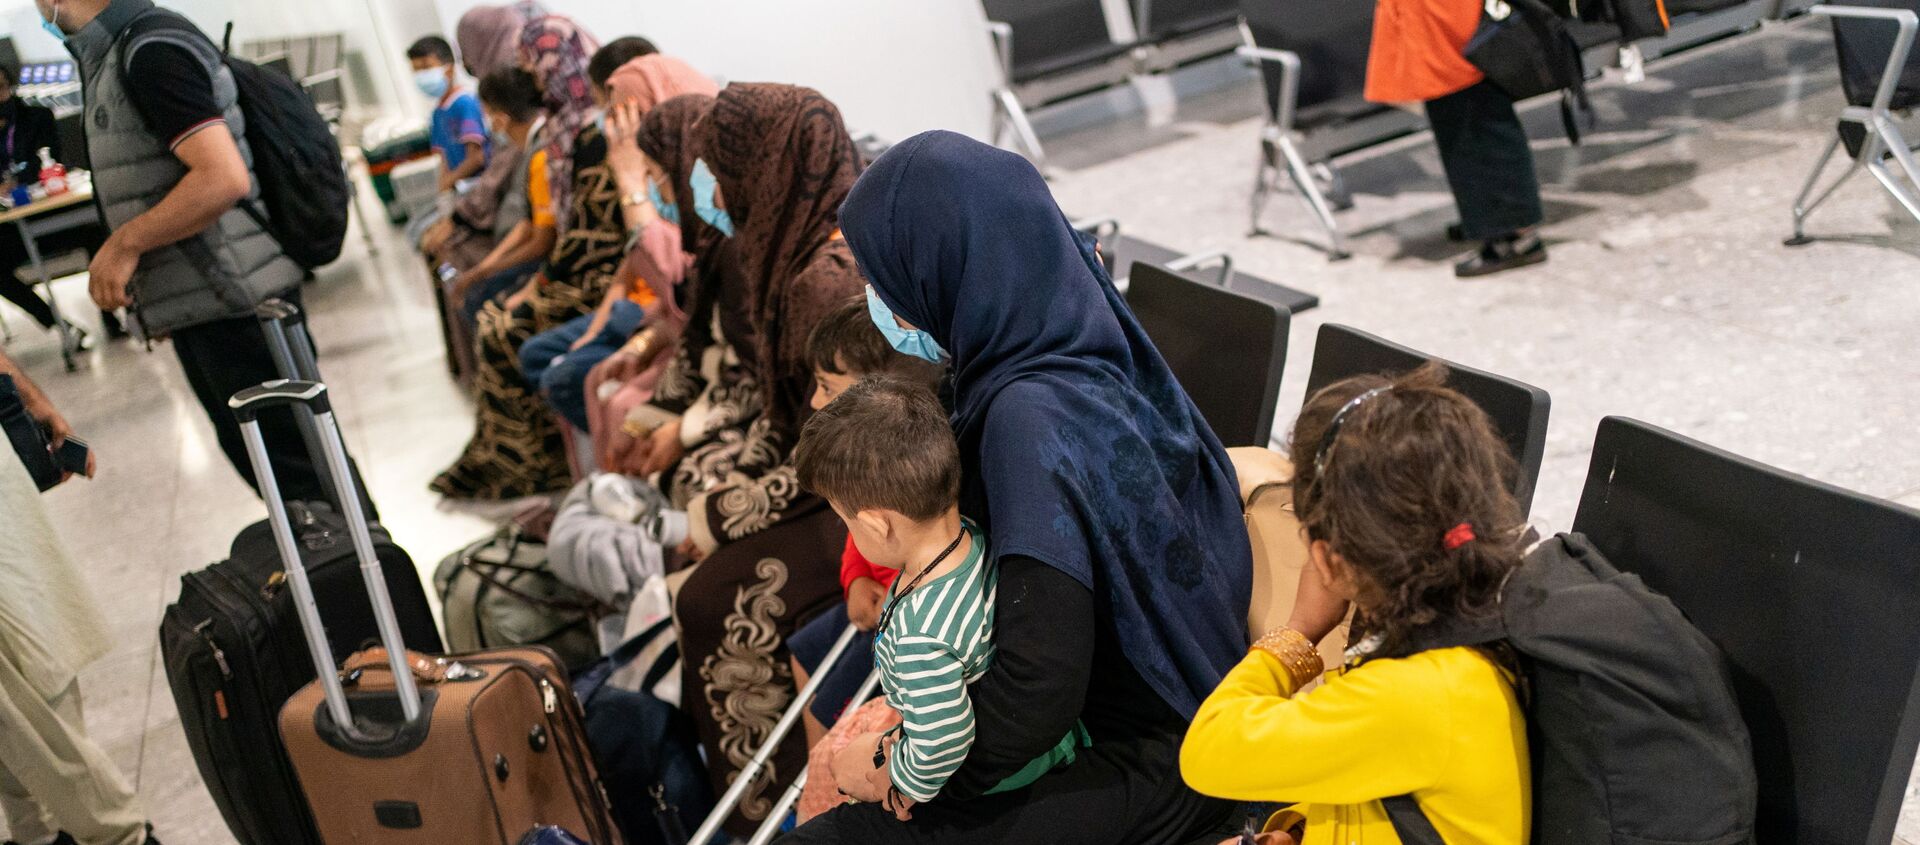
1051	37
1811	591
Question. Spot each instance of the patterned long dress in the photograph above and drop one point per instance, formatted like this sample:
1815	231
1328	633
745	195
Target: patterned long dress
516	449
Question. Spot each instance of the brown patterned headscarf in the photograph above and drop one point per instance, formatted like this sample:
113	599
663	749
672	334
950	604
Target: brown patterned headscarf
784	162
715	285
666	136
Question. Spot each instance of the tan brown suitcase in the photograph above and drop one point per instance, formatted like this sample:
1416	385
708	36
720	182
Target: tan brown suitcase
501	750
395	748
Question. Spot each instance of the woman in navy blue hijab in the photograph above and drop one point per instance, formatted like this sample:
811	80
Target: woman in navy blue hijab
1109	505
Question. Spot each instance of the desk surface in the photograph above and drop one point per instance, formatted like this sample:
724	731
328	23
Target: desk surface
66	200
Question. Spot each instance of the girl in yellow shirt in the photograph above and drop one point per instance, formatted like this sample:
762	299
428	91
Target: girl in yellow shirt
1400	488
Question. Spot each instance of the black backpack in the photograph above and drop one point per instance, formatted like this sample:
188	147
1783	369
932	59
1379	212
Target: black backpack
303	183
1526	51
1631	717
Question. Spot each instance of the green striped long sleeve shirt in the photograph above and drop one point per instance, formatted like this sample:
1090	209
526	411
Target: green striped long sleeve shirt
938	640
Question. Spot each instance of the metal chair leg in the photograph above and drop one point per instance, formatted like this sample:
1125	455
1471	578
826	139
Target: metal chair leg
1310	190
1803	209
1894	186
775	817
1262	187
1338	195
1902	155
1015	116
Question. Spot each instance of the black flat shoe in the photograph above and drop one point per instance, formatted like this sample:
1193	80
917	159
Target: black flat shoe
1497	256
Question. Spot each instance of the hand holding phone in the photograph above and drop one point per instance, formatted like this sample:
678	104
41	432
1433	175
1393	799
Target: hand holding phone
74	456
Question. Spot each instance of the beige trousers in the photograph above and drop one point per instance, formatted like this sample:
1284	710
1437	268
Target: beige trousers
52	777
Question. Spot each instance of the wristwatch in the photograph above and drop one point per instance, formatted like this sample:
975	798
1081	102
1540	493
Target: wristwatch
636	198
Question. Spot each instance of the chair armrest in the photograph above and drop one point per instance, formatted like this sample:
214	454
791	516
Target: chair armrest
1902	43
1202	259
1289	63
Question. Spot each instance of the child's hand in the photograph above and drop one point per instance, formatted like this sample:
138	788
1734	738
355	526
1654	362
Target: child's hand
902	807
865	597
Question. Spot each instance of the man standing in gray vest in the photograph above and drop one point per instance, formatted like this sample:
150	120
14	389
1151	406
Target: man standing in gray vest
170	160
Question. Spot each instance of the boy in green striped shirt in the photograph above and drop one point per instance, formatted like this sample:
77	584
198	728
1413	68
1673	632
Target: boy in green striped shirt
883	456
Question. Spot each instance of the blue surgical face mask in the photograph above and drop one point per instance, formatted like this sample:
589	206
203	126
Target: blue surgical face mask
913	342
668	211
431	82
52	26
701	181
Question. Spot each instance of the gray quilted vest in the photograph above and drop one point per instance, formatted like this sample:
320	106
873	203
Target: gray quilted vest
221	272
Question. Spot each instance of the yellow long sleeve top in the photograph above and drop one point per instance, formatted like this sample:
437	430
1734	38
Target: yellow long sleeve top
1443	725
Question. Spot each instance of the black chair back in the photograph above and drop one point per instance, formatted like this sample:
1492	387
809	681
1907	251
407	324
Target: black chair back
1227	349
1332	39
1519	410
1052	36
1811	591
1863	46
1160	20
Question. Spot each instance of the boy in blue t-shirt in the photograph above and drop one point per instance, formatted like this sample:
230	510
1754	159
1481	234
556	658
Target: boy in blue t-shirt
458	131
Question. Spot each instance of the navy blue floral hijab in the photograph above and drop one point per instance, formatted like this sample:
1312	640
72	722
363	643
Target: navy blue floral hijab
1080	449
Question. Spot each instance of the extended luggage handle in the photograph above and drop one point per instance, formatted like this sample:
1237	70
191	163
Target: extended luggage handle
285	327
246	406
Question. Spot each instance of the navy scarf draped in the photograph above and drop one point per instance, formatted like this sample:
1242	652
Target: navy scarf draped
1080	449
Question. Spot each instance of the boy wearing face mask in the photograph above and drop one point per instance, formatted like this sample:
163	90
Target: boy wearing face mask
458	130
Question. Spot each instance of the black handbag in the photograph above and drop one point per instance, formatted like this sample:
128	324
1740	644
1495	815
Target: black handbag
28	436
1525	50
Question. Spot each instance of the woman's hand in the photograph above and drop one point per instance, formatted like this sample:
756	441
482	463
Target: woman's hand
853	770
525	293
864	599
1316	609
664	448
1272	837
624	156
436	236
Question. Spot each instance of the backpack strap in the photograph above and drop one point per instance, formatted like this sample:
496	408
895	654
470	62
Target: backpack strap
1410	822
162	26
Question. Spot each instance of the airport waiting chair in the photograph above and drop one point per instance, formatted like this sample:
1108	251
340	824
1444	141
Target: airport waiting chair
1164	20
1228	350
1312	58
1880	76
1809	590
1519	410
1048	48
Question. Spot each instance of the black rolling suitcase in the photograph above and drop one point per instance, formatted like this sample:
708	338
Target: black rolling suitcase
234	651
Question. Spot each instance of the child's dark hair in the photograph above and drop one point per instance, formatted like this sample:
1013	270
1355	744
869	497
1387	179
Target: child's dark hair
513	92
1405	466
884	443
615	53
431	47
847	342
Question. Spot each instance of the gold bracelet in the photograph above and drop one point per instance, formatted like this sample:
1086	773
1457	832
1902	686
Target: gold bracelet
1295	653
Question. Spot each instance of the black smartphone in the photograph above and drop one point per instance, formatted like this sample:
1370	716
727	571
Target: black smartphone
72	456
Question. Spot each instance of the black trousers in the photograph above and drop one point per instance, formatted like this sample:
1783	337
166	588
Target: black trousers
13	254
224	357
1489	166
1121	791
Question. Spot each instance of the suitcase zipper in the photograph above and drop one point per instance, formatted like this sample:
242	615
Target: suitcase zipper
550	699
220	657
